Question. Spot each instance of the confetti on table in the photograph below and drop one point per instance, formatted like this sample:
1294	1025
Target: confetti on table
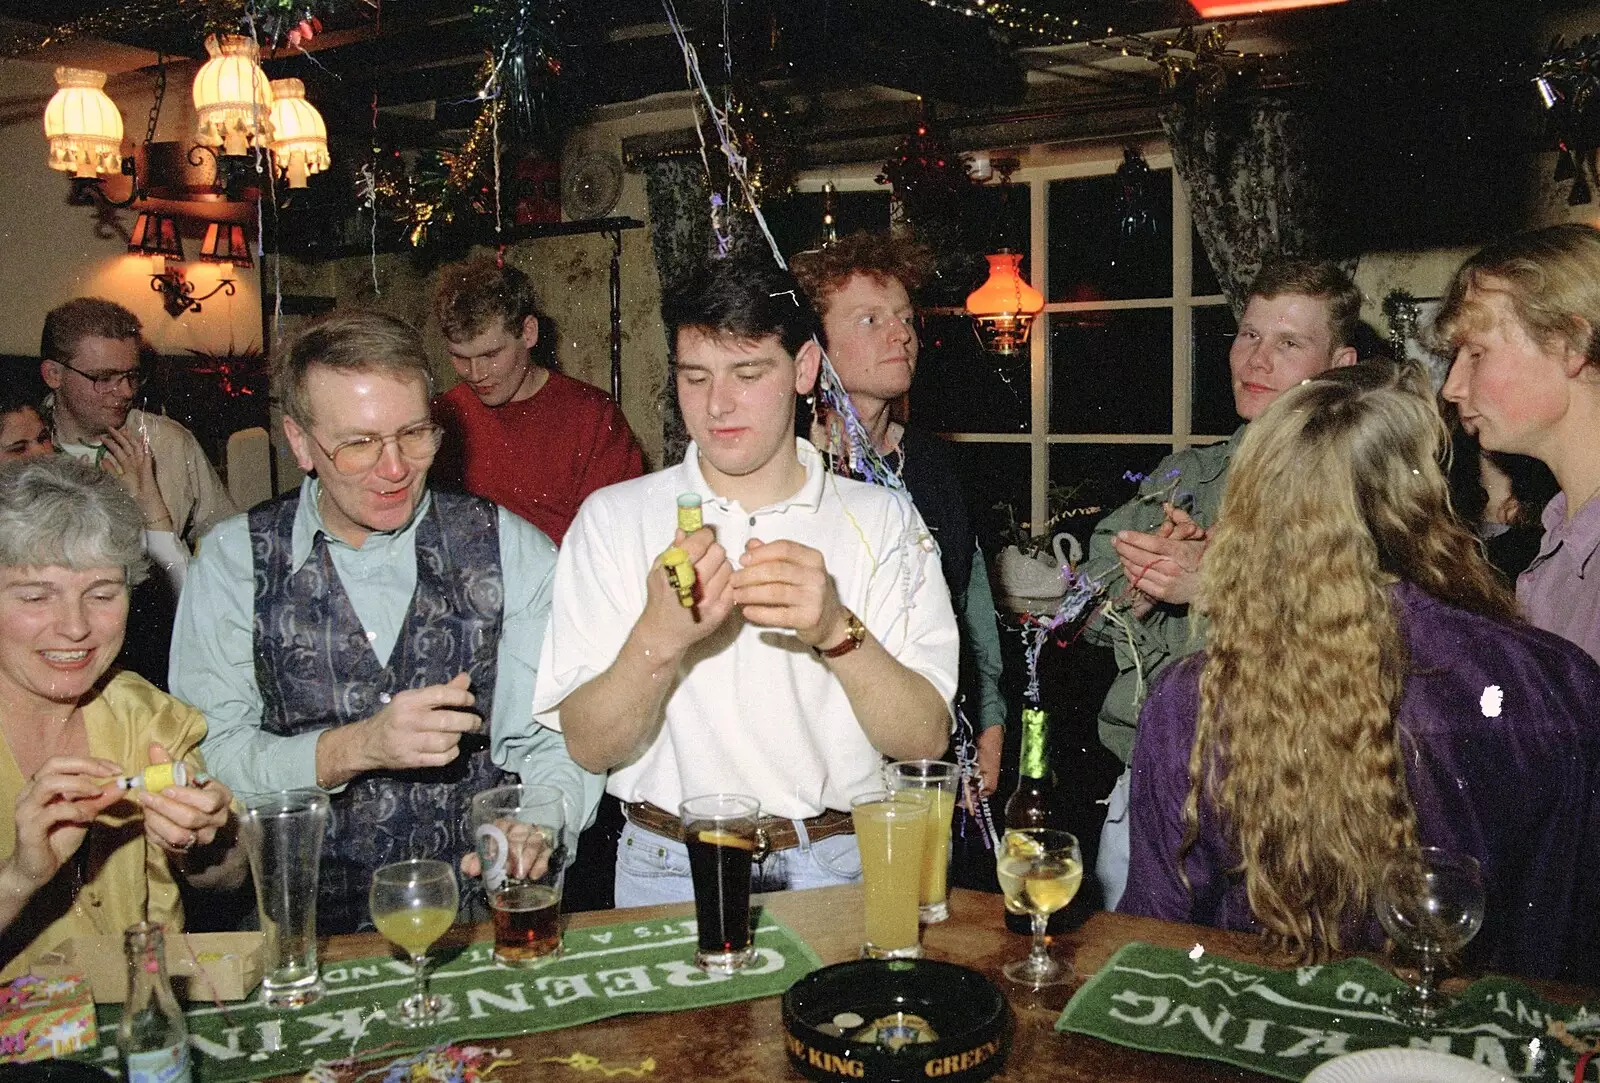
588	1062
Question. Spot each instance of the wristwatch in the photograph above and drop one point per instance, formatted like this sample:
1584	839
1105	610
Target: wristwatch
854	633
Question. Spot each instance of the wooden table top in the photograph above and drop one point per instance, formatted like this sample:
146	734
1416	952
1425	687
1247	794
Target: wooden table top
744	1041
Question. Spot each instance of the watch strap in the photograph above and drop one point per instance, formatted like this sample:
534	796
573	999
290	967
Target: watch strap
855	633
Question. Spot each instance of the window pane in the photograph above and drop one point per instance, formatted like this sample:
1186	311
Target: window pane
1213	413
1205	282
1091	476
960	388
995	479
1105	244
796	222
1111	371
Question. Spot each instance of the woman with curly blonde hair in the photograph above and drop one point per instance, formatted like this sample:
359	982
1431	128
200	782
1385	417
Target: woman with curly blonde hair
1366	687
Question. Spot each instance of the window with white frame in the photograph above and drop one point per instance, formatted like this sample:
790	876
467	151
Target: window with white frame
1127	363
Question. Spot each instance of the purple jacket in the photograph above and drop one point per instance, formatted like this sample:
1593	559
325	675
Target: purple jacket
1512	778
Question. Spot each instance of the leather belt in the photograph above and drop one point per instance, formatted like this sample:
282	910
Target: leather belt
773	832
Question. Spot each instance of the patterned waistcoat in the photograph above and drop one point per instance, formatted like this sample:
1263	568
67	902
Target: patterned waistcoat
316	669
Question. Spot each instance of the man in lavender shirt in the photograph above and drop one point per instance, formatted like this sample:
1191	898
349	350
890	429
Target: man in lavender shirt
1521	315
1344	742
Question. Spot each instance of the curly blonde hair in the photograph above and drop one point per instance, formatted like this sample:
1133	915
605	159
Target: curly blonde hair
1335	493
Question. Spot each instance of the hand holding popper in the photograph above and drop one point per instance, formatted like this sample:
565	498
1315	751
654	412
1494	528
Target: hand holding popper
680	572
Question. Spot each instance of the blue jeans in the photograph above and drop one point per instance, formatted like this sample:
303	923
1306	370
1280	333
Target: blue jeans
653	869
1111	867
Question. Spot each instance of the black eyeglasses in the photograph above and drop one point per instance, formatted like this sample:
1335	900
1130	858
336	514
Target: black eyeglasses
107	382
418	443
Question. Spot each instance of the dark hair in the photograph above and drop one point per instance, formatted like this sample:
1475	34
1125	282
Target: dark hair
474	294
84	317
1322	279
19	393
748	298
352	340
882	257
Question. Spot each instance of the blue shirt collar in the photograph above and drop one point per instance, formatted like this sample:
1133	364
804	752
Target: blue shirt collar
308	524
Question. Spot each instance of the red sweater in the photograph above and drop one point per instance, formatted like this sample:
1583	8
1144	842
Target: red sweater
539	457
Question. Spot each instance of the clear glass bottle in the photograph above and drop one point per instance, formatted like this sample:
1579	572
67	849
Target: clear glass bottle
1033	802
153	1038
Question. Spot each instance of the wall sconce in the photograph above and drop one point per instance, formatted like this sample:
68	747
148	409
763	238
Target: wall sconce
156	236
177	292
226	243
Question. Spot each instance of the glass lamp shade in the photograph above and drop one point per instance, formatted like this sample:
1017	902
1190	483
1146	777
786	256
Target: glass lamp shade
226	243
1005	305
156	235
82	125
299	138
232	96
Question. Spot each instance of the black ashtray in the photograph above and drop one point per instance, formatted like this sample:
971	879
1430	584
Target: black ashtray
896	1019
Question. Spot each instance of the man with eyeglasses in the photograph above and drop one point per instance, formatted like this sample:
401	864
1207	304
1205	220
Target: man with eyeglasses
90	351
369	636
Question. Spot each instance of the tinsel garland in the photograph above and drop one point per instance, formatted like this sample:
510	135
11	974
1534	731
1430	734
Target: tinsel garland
444	185
269	21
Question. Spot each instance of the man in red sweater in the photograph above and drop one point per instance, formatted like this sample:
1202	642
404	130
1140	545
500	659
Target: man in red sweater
522	435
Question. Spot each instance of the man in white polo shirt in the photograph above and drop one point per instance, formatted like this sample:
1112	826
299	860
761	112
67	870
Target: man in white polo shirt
821	638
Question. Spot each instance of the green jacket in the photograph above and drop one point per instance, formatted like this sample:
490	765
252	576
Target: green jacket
1193	480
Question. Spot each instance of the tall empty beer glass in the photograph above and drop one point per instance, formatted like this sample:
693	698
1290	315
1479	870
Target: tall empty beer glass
935	782
518	830
719	831
283	834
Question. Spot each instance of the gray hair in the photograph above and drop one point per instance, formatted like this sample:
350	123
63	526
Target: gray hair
58	511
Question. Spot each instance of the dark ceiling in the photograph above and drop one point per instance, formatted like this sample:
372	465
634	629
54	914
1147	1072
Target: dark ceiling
1401	81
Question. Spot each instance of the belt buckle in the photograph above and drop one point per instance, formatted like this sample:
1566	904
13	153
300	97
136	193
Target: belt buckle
763	845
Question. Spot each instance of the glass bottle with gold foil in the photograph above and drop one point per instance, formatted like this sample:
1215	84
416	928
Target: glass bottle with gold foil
1029	804
1032	803
152	1038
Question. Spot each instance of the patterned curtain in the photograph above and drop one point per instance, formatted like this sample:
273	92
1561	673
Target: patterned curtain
679	195
1247	167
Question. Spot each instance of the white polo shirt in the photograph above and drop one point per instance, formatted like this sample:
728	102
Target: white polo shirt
755	711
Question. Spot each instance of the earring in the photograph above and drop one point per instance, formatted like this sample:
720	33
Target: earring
811	401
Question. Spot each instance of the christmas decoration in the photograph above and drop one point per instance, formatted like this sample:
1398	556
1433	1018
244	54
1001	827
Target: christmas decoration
530	39
929	178
268	22
1566	82
443	186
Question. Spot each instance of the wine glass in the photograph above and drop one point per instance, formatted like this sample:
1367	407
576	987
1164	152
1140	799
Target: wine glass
1039	870
1430	901
413	903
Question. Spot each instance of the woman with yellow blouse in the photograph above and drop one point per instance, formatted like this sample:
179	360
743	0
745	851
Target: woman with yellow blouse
80	854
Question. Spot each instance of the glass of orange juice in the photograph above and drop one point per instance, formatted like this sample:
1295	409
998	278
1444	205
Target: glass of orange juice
935	782
890	828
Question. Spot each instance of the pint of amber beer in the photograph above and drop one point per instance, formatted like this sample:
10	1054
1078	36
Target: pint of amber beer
518	831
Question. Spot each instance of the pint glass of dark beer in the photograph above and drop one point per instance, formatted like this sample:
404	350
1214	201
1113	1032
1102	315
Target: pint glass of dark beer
518	831
720	833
